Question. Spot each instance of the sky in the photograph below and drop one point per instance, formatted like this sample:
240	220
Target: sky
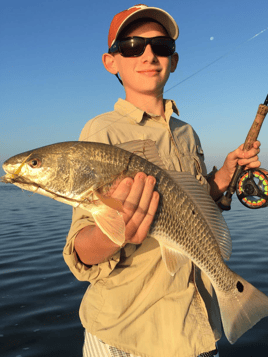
52	80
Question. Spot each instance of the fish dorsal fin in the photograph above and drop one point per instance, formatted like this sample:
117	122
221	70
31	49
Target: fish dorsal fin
146	149
172	258
206	207
110	221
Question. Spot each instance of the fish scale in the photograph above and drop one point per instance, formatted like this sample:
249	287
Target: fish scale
193	236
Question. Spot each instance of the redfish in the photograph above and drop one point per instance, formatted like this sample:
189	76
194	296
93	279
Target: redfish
187	225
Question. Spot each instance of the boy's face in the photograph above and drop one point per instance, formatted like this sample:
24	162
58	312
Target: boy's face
148	73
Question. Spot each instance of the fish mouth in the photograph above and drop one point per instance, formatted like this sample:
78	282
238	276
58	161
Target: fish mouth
35	188
12	177
15	179
8	178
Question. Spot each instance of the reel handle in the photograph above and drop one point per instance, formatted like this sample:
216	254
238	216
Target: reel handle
225	203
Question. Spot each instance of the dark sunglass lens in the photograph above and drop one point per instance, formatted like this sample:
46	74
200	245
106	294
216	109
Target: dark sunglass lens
163	46
132	47
135	46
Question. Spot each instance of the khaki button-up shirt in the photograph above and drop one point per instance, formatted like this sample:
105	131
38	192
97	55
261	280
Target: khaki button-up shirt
133	303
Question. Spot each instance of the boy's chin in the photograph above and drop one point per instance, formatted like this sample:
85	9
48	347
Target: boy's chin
146	86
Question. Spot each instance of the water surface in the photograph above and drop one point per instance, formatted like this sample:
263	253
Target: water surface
40	297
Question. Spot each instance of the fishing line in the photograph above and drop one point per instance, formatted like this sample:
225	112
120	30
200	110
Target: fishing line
187	78
216	60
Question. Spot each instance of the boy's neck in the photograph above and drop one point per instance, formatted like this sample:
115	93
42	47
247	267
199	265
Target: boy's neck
149	104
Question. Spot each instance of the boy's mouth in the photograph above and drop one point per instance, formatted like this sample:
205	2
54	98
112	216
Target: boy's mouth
149	72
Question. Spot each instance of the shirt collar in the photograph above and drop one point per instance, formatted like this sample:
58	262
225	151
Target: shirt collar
129	110
170	108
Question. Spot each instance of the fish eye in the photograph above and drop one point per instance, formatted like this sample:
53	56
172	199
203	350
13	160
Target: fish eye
35	163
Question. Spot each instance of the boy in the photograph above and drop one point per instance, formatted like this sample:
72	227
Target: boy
133	307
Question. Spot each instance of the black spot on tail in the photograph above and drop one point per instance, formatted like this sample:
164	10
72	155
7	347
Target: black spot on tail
240	287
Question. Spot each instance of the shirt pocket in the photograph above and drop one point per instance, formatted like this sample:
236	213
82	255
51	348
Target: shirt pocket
194	162
199	160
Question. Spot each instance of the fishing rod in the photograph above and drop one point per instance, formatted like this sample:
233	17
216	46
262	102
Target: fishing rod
251	186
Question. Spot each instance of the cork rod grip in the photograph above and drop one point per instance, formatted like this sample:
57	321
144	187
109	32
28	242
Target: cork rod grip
225	203
256	127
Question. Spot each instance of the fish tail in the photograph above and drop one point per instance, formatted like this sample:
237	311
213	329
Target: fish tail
241	308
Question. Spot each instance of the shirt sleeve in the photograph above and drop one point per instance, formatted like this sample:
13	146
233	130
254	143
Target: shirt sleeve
82	272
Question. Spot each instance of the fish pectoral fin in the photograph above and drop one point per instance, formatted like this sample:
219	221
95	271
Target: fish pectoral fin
110	202
110	221
173	259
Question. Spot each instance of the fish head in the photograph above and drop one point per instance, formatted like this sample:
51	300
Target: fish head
51	170
29	170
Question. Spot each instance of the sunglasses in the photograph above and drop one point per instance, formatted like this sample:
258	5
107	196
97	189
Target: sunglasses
135	46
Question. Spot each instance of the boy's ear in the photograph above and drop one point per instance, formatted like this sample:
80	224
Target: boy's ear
109	63
174	62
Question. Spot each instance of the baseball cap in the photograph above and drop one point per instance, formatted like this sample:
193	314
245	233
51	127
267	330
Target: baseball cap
124	18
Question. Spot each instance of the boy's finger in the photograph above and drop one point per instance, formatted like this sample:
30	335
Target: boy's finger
240	153
145	200
137	231
148	219
141	220
256	144
123	189
253	165
133	199
252	162
251	153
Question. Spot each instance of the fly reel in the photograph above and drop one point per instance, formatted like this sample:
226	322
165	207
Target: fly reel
252	188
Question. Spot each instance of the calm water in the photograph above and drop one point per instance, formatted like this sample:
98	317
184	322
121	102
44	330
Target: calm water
40	297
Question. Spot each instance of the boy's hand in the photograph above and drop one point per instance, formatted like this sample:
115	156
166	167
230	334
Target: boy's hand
249	159
140	203
223	177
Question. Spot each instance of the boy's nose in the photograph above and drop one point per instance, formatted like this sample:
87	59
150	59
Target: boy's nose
148	53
